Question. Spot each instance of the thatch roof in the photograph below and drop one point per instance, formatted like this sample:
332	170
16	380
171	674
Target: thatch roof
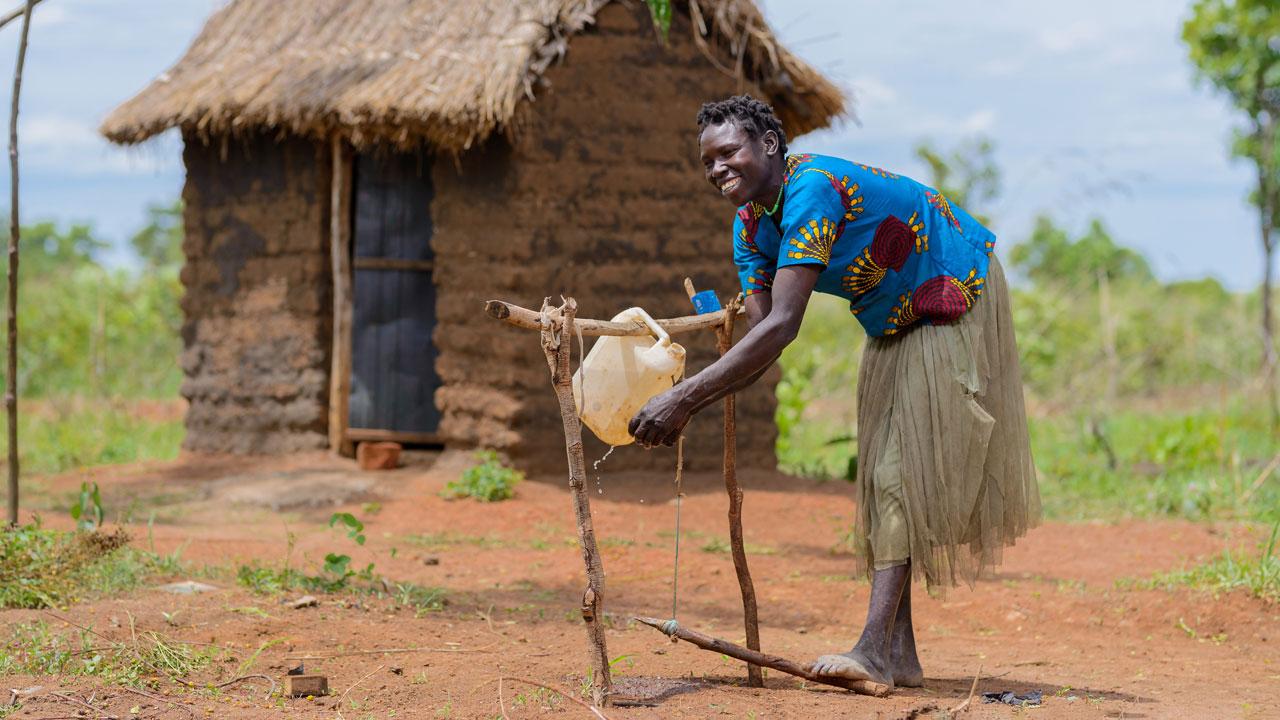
446	71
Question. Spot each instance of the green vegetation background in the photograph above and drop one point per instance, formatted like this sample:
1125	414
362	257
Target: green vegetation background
98	348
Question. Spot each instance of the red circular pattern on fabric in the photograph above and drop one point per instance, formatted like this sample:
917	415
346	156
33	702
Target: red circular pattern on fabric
892	243
749	221
939	300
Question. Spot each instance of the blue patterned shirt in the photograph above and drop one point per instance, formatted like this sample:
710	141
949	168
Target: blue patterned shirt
898	251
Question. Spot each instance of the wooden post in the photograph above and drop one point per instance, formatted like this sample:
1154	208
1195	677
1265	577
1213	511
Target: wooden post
756	658
11	389
557	340
724	341
340	257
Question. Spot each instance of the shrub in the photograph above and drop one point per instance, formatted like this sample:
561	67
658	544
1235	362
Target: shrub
48	568
490	481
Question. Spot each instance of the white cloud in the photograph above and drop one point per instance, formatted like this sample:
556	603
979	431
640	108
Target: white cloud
49	15
980	121
870	92
1067	38
1000	66
73	146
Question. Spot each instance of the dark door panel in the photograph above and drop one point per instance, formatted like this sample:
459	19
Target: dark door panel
393	377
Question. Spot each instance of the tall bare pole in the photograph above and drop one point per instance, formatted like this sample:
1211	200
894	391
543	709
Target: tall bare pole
11	378
724	341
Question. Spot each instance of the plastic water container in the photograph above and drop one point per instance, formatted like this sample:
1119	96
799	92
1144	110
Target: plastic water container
621	374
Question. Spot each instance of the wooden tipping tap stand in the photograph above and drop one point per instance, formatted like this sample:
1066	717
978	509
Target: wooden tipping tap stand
557	327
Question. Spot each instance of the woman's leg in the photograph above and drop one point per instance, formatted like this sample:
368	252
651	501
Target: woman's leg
870	658
902	645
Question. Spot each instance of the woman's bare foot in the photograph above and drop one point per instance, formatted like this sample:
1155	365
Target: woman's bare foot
853	665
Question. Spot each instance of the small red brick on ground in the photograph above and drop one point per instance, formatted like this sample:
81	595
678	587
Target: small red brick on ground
378	455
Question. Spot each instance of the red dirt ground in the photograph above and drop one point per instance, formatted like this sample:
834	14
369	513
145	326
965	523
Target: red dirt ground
1054	618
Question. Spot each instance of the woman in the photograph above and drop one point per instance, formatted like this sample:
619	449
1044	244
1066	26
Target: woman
945	477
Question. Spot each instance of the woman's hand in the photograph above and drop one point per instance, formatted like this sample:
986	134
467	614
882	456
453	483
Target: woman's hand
661	419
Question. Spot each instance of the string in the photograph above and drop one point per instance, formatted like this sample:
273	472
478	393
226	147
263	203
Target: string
675	570
675	573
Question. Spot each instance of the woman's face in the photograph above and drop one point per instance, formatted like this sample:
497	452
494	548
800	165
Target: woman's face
739	166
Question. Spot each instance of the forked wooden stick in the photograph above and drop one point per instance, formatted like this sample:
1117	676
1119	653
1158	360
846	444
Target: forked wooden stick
724	341
557	339
706	642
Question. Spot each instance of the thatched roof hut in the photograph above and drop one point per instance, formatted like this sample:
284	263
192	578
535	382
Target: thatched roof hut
407	153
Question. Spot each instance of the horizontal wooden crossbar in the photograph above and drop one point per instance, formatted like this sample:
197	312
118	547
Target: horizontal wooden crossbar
530	320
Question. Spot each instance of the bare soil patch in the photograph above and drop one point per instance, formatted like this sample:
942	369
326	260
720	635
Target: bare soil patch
1054	618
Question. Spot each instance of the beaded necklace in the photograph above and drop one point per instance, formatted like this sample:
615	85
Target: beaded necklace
777	201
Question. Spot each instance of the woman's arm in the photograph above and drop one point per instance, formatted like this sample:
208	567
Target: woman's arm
775	324
757	306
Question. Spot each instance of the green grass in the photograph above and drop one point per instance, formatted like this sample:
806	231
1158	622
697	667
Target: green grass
449	538
1258	574
1197	465
719	545
57	435
34	649
270	580
52	568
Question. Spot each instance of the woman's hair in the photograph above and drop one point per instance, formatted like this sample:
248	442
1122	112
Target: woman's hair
752	115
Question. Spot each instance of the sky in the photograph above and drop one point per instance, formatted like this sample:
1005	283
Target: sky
1092	105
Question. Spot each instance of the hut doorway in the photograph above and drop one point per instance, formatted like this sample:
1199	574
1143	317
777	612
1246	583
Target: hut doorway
393	376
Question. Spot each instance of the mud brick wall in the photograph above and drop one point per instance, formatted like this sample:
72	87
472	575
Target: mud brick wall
257	301
600	195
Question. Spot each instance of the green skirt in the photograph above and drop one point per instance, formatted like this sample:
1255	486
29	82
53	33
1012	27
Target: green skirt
945	475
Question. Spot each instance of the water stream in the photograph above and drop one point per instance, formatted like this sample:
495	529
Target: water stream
595	467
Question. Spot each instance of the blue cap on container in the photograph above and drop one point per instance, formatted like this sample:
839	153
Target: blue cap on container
705	302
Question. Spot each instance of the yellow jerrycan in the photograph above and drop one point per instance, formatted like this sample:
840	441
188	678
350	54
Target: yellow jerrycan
621	374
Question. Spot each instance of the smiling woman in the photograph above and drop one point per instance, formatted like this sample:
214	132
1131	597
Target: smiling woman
945	474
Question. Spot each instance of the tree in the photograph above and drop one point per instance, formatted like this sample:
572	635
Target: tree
1234	45
1049	255
159	243
967	175
48	249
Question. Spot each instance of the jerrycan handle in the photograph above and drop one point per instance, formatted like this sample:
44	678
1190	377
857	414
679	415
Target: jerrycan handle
663	338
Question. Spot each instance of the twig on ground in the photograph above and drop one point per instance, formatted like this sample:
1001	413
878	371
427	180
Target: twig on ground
338	707
502	705
68	697
919	711
242	678
488	619
594	710
329	656
73	717
972	688
143	693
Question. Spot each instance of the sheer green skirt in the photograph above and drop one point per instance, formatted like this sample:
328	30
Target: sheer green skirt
945	475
